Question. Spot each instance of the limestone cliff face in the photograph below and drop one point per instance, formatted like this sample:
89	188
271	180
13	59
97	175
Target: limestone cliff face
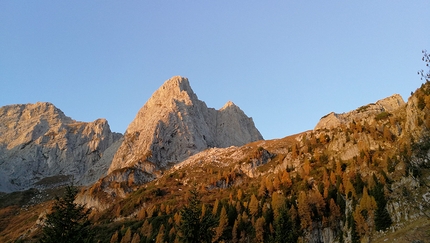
333	120
174	124
40	146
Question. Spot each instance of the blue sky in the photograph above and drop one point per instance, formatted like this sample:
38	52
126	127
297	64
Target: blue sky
285	63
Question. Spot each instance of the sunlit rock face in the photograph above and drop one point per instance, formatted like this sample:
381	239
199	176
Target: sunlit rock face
174	124
388	104
42	147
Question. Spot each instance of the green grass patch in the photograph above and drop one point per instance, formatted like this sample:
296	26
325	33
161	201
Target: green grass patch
383	115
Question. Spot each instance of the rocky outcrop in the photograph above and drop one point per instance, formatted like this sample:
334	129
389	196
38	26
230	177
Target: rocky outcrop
333	120
174	124
42	147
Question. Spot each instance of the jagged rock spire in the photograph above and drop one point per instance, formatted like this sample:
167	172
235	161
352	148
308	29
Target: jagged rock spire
174	124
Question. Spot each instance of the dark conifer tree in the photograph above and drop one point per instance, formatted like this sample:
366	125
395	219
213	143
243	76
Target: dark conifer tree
382	217
285	230
68	221
195	226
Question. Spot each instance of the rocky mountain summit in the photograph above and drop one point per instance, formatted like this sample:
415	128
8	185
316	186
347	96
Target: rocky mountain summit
40	146
388	104
174	124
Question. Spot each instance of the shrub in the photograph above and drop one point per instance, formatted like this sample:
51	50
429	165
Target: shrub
383	115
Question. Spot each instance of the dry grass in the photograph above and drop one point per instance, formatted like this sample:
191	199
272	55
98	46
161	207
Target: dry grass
416	231
16	222
53	180
19	212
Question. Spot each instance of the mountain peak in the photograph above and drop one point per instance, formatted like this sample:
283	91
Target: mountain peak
228	104
177	82
174	124
176	87
42	142
35	110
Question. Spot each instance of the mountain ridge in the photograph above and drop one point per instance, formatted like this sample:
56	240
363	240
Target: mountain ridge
50	148
387	104
39	141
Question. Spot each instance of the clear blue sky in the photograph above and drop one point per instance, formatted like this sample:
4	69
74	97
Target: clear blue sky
285	63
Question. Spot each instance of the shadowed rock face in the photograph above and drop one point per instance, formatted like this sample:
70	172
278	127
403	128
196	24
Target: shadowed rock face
40	146
174	124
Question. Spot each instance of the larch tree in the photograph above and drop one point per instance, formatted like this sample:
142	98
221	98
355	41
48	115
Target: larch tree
127	237
262	191
172	234
259	229
253	205
306	168
276	183
215	208
114	238
141	214
286	180
222	225
136	238
234	233
316	200
160	235
364	213
269	185
239	194
278	201
146	229
335	214
304	211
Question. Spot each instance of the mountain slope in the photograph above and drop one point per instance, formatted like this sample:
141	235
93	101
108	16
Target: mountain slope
340	183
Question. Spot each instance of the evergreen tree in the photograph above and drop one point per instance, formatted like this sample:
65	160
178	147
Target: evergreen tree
285	230
68	221
193	227
382	217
